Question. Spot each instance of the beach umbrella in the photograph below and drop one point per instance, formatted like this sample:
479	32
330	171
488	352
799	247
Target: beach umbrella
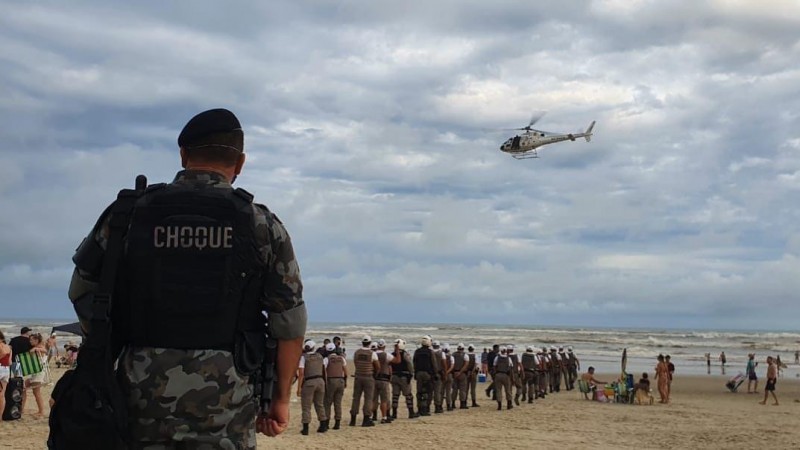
624	363
74	328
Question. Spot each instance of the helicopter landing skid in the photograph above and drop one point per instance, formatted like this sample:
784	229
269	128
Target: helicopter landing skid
525	155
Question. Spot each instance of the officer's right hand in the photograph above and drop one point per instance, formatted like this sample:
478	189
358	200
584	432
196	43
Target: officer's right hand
275	421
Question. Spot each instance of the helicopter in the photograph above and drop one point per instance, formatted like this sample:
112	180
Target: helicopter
524	146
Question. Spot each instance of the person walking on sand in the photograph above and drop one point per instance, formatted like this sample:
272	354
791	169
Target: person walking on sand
772	378
750	370
722	359
662	376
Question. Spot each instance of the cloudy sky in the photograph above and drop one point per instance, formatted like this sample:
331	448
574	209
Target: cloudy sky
369	131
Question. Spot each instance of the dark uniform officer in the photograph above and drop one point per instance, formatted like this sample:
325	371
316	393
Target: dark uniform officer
201	264
426	366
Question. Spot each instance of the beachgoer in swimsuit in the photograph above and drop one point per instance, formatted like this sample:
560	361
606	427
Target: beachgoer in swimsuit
662	376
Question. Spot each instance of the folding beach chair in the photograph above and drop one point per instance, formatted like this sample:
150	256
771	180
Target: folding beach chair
735	381
29	363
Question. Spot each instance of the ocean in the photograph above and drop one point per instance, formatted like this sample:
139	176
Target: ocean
598	347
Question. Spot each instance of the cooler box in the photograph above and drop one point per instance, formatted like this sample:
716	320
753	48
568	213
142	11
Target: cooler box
481	378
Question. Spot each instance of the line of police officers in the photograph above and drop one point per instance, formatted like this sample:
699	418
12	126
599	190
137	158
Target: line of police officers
442	378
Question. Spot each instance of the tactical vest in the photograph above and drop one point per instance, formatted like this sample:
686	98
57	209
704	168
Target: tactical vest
336	365
472	362
384	373
458	361
528	361
423	360
555	363
439	364
502	364
363	361
314	365
564	359
514	361
402	366
573	360
192	272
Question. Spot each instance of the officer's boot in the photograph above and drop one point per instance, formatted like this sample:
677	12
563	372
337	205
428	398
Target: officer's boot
475	404
323	426
499	405
304	431
516	399
530	398
367	422
375	416
412	414
425	411
464	405
438	410
337	424
394	413
488	392
352	420
510	405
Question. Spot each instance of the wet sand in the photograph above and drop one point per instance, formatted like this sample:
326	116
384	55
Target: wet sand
703	414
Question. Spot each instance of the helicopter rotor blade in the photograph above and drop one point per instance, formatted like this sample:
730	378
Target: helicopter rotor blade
535	117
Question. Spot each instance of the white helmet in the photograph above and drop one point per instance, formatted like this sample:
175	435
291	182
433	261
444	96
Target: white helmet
400	344
366	339
373	346
471	347
460	346
309	345
503	349
330	347
436	344
381	343
426	341
529	349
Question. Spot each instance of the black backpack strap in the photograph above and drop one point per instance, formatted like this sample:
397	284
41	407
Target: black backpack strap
121	209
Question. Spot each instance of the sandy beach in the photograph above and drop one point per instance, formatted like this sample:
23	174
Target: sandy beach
702	415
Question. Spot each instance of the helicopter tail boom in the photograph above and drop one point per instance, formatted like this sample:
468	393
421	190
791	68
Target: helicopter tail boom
588	134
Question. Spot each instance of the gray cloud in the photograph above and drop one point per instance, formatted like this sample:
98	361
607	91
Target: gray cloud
366	128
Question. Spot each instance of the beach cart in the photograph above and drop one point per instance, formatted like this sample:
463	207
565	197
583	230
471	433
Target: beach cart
735	381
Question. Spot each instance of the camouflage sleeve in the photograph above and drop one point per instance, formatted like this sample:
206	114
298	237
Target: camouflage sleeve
88	260
283	288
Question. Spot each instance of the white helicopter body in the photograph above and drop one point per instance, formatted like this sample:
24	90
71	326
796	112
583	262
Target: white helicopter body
524	146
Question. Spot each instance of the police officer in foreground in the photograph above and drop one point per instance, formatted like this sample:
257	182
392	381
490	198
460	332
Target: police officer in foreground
366	362
383	387
311	386
201	264
459	373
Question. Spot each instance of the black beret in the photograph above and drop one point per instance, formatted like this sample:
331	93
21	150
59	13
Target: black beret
207	123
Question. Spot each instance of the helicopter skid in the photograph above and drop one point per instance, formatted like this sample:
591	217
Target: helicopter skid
525	155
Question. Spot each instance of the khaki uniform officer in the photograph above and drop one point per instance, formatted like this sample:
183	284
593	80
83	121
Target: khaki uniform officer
383	385
472	373
402	372
438	378
447	383
337	382
311	386
459	373
366	362
530	363
516	375
502	378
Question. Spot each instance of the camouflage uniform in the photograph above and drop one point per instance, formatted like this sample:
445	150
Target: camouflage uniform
196	396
